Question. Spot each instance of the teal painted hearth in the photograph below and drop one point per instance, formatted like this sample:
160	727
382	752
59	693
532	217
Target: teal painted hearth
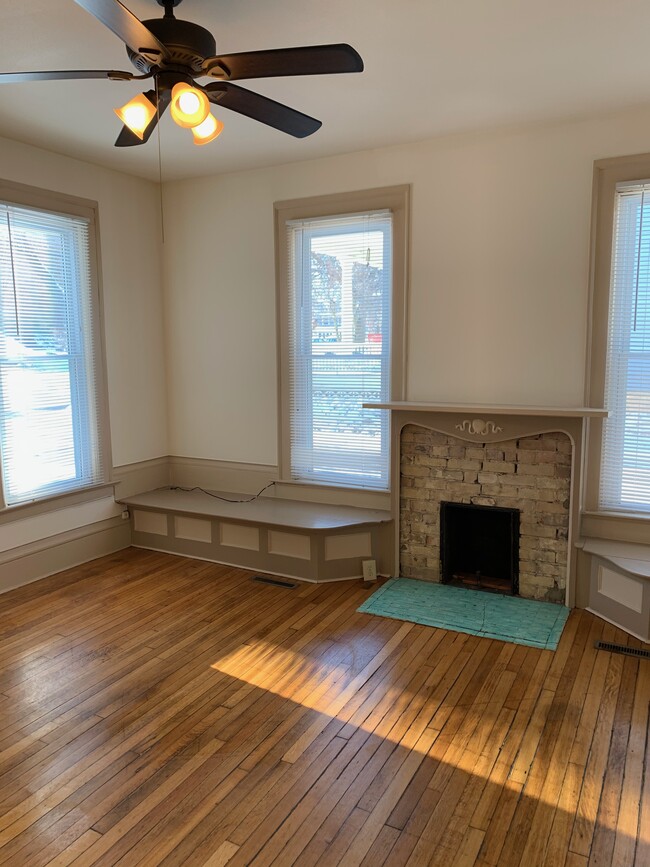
490	615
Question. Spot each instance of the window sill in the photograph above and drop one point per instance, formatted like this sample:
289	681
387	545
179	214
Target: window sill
616	526
316	492
332	486
53	503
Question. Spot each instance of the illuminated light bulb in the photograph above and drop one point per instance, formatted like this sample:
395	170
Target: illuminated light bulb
207	131
189	103
189	106
137	114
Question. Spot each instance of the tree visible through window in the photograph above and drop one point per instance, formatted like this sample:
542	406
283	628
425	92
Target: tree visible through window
49	429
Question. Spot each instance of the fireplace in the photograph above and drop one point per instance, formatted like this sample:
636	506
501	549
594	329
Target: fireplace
521	457
479	547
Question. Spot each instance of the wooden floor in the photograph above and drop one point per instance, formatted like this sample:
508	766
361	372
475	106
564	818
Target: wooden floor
162	711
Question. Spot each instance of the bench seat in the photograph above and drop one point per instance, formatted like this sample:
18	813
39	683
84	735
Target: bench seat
619	584
310	541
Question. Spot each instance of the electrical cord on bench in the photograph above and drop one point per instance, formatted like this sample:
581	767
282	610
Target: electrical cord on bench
217	497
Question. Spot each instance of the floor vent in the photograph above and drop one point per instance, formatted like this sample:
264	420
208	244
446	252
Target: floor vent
621	648
277	582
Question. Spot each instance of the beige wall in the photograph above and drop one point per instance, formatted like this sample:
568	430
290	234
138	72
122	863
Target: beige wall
129	224
499	275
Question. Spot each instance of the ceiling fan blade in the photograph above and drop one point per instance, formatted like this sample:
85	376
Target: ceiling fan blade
60	74
262	108
308	60
126	138
127	27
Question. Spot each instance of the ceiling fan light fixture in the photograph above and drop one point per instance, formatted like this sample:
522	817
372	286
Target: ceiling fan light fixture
189	106
137	114
175	52
207	131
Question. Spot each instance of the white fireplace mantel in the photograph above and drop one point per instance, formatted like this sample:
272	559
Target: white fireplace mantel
493	423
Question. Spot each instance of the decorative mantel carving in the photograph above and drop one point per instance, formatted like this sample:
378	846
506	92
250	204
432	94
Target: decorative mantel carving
478	427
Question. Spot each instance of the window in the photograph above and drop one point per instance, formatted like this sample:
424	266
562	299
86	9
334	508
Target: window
619	447
341	300
625	467
50	395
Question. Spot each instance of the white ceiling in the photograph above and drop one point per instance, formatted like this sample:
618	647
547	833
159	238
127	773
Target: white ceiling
432	67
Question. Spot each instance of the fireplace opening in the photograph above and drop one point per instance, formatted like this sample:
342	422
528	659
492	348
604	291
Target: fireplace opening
479	547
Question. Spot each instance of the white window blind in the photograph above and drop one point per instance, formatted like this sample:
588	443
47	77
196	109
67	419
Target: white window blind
625	470
49	430
339	348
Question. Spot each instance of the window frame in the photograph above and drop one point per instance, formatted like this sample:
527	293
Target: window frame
396	199
23	195
608	173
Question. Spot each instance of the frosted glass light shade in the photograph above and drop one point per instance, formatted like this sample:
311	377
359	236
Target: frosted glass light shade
137	114
207	131
189	106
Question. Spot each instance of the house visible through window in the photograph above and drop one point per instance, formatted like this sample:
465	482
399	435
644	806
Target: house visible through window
50	438
625	467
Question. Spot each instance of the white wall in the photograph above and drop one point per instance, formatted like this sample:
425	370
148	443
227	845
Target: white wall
499	275
129	223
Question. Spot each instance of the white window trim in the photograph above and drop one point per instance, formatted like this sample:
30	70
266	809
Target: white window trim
397	200
608	173
48	200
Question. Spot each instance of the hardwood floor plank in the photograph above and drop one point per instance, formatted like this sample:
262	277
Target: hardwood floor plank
296	750
153	846
45	830
602	847
583	829
469	849
327	848
222	855
642	855
379	852
70	853
573	860
373	826
403	849
545	781
560	833
496	834
248	807
165	712
117	838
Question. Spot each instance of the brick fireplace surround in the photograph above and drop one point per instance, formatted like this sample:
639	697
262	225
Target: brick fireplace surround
527	458
531	474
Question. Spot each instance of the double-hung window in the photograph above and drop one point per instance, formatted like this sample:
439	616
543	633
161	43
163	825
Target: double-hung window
625	462
50	379
341	342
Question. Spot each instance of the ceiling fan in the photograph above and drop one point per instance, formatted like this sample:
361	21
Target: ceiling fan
174	53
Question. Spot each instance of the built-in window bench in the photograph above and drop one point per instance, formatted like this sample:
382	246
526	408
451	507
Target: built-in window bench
310	541
619	584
